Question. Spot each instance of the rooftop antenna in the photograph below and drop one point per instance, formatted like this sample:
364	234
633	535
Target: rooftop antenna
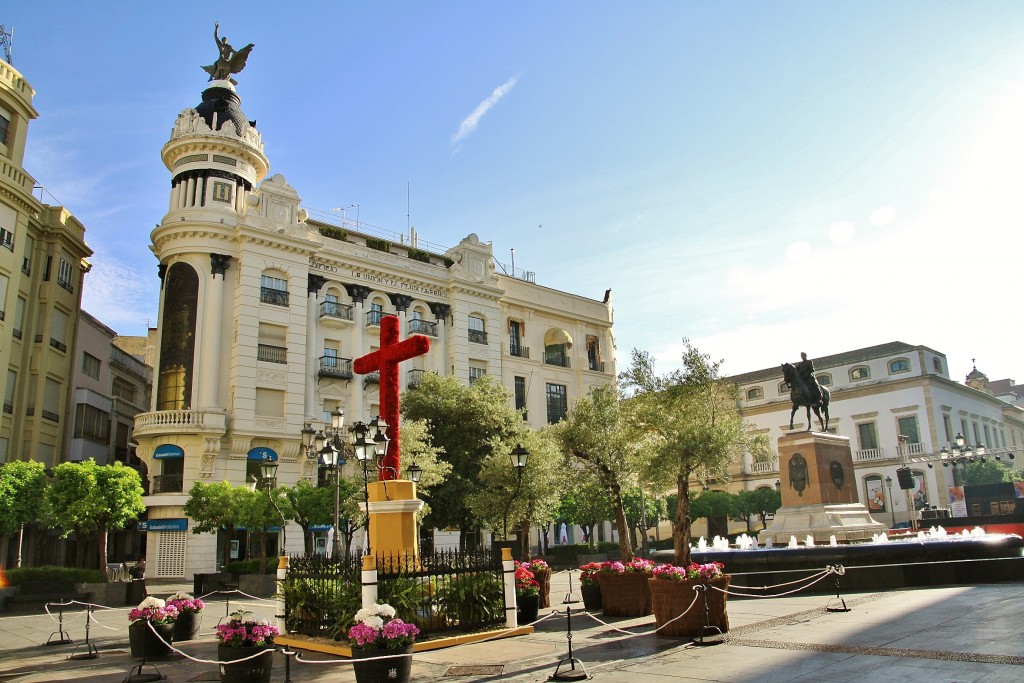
7	42
513	261
408	204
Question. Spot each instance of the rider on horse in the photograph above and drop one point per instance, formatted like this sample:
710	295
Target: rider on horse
805	368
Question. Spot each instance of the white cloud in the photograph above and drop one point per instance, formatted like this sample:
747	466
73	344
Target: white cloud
470	123
841	233
883	216
798	251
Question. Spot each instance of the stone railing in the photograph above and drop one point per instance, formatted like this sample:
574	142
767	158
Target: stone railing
193	420
869	454
767	467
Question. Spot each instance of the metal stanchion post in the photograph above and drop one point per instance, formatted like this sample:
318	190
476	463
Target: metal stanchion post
572	673
64	636
91	651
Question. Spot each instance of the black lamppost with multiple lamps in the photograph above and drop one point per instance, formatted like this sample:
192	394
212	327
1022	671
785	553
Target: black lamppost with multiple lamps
327	447
889	501
370	442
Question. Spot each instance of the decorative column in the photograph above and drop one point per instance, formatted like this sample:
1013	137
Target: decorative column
314	285
440	312
358	294
212	342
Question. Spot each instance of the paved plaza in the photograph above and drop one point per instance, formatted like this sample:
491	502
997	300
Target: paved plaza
956	633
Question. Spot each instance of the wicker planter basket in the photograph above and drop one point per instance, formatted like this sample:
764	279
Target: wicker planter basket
625	595
543	577
672	598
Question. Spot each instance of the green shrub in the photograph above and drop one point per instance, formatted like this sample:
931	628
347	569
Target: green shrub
470	599
419	255
21	575
334	233
378	244
249	567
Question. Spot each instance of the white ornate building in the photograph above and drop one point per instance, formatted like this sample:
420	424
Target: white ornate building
263	310
877	394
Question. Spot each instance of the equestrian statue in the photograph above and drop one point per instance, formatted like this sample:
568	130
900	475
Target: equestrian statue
805	391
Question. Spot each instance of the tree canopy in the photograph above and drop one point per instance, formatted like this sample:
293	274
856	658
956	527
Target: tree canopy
22	488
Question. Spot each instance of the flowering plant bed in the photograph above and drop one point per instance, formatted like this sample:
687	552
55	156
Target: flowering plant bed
694	572
589	572
154	610
625	594
526	584
678	604
377	627
637	565
186	604
542	573
244	630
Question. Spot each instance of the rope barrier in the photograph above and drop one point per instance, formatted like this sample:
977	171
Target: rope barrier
820	577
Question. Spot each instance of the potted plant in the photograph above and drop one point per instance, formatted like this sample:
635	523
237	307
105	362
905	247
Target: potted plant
542	572
625	590
678	595
589	587
152	629
381	645
190	616
527	594
245	648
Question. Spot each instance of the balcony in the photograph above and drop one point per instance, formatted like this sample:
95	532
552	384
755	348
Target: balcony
595	365
272	354
519	351
371	378
166	483
59	345
333	310
276	297
373	318
333	367
49	415
418	326
766	467
556	358
179	422
910	449
869	455
478	336
414	378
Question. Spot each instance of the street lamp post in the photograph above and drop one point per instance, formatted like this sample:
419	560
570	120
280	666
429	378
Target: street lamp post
268	478
327	447
370	441
519	456
892	508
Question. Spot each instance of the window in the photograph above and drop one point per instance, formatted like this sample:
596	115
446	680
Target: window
868	436
825	379
5	126
26	261
520	393
860	372
947	423
222	192
92	424
273	290
783	389
272	345
3	295
7	239
908	427
755	393
594	361
477	330
51	400
899	365
476	373
269	402
124	390
515	340
558	403
937	364
920	491
64	275
90	365
375	313
12	381
19	318
59	330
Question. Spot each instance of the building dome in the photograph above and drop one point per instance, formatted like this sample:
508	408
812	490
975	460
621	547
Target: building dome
220	105
976	379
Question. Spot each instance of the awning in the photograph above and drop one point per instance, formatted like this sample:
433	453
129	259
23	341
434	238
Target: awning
262	453
168	450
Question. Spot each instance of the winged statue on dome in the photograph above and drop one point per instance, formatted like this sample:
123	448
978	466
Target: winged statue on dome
229	60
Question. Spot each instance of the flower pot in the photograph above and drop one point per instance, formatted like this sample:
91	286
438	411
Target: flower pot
591	594
674	598
186	626
543	577
254	670
145	644
625	595
392	670
528	606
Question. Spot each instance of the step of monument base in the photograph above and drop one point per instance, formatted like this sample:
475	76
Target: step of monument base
849	523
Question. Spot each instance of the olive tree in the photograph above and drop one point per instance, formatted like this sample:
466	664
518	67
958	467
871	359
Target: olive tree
22	501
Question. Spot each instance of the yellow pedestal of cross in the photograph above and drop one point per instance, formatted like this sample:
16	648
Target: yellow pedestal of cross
394	530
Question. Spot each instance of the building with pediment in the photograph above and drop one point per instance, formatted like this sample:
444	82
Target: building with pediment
265	304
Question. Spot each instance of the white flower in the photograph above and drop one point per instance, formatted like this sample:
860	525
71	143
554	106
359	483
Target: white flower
386	611
152	602
180	596
374	622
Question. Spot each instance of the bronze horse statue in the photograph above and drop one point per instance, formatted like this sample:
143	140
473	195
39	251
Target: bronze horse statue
801	395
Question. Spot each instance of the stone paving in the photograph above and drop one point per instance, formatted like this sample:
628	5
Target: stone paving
955	633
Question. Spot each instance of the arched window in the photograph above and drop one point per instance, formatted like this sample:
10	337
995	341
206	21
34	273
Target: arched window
875	493
274	288
937	364
375	313
899	365
557	343
177	337
860	372
755	393
920	490
477	329
825	379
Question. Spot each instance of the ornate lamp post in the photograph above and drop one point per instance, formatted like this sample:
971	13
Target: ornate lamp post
328	449
892	508
519	457
370	442
268	480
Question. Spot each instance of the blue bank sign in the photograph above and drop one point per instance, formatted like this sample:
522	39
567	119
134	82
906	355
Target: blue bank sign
172	524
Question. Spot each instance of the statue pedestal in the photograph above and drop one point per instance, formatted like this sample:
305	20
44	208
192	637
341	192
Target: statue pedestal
393	526
819	492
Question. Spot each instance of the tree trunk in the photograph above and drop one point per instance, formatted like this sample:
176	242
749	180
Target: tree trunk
262	535
101	542
625	549
681	527
226	556
5	542
524	541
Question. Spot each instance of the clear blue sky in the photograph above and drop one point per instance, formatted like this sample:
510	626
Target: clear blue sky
761	177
